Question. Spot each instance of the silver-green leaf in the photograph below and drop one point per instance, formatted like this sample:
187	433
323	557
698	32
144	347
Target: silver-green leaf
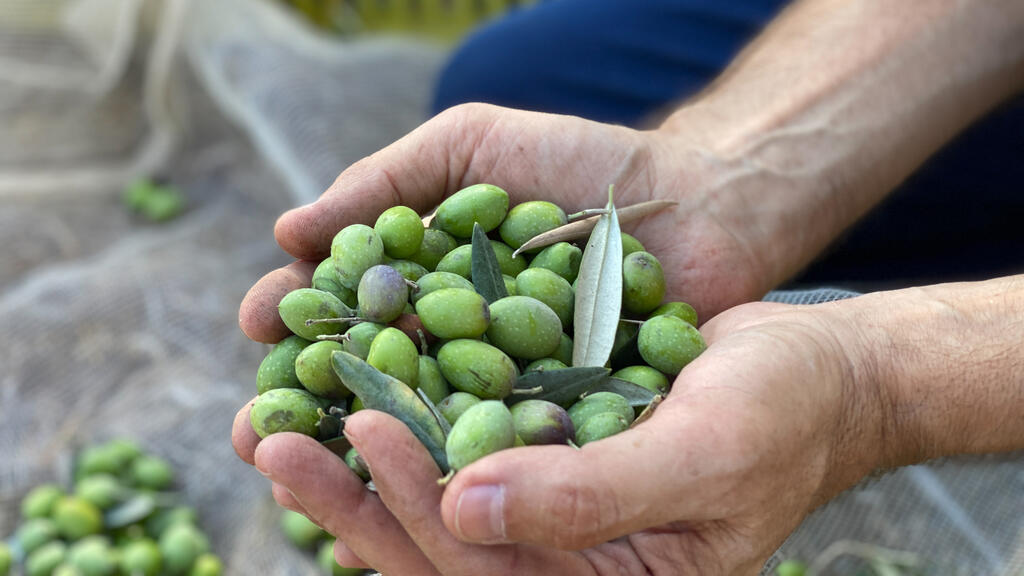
598	292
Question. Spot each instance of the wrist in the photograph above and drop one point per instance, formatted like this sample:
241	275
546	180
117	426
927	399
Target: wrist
949	377
785	210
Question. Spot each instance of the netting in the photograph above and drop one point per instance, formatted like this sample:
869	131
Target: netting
114	327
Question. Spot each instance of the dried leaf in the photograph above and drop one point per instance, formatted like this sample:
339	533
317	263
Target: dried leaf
648	411
561	386
598	292
580	228
635	394
486	272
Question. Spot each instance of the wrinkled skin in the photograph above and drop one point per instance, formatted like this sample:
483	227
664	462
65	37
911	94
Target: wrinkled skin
525	153
705	474
711	484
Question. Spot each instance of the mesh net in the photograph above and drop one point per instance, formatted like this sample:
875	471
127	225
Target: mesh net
114	327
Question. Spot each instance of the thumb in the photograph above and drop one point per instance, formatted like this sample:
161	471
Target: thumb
572	499
416	171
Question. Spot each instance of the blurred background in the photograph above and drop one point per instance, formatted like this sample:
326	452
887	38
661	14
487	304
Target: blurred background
146	148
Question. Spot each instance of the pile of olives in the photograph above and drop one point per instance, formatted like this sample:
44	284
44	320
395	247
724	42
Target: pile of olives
306	535
119	519
397	305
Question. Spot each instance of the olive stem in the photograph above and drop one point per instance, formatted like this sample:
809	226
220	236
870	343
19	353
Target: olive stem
631	321
527	391
412	285
444	480
312	321
587	212
335	337
423	342
648	411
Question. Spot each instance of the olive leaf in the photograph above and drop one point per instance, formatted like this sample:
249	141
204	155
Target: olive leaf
598	292
129	512
339	445
446	427
486	272
562	386
379	391
580	228
635	394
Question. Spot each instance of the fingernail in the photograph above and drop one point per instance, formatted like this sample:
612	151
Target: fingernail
480	514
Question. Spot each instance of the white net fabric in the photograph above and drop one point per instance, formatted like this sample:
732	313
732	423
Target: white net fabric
113	327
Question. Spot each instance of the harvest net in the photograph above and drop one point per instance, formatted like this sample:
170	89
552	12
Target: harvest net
115	327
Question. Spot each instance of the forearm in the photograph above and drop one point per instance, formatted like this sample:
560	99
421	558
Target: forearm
949	360
837	102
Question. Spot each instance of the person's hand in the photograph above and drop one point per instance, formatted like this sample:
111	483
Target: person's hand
772	420
711	246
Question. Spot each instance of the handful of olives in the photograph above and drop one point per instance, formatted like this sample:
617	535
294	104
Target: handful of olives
119	519
468	341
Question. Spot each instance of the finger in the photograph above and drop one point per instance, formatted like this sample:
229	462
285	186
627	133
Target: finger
257	316
416	171
573	499
337	500
345	557
742	316
406	479
243	437
285	499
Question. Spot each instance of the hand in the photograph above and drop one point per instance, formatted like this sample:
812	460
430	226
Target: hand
771	421
706	244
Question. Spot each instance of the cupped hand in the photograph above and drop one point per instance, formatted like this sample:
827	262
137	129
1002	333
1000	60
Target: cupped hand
708	256
773	419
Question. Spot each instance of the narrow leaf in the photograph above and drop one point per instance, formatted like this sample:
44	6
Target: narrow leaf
378	391
580	228
339	445
561	386
130	511
446	427
635	394
486	272
598	292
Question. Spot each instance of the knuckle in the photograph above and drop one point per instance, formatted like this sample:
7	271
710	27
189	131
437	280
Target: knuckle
576	513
